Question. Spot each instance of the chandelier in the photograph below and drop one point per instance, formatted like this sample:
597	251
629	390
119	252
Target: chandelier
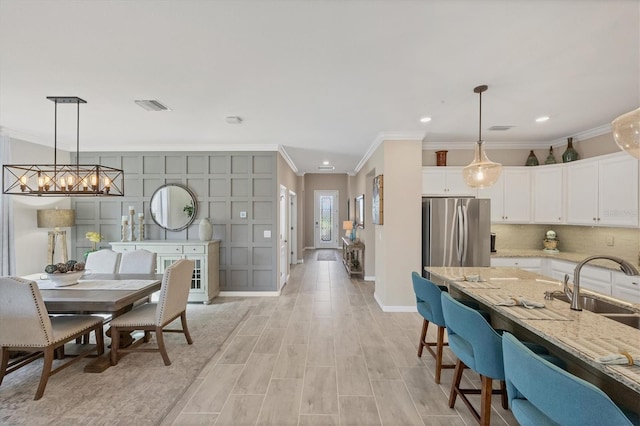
482	172
57	180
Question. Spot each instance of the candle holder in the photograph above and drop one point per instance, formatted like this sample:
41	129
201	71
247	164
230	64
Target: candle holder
125	231
140	227
132	223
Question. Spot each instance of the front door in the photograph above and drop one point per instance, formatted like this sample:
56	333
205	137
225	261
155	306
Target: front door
326	219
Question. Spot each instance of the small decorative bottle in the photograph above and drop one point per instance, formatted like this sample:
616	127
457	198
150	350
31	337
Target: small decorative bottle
570	154
532	160
550	158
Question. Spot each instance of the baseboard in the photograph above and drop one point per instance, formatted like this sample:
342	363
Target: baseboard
398	308
371	278
309	248
249	293
300	261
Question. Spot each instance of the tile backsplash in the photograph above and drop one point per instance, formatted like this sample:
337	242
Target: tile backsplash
578	239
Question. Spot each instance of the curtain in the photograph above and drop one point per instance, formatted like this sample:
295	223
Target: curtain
7	246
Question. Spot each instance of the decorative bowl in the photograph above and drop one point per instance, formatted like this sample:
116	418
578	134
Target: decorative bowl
68	278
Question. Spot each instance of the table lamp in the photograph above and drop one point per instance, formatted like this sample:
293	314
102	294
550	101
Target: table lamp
56	219
347	225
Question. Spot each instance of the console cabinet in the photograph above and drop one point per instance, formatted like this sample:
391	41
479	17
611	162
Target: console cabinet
205	283
353	256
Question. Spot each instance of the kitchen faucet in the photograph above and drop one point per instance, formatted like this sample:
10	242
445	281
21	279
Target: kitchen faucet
574	295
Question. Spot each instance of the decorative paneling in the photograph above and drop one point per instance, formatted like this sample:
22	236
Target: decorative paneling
225	184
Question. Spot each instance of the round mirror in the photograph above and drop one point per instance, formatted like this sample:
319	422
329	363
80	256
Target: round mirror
173	207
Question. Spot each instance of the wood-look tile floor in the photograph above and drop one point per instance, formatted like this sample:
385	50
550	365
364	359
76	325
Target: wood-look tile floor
324	353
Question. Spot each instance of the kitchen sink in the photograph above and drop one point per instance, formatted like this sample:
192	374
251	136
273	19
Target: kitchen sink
630	320
597	306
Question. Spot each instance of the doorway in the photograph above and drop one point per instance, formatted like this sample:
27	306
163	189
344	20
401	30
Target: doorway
325	218
293	227
283	235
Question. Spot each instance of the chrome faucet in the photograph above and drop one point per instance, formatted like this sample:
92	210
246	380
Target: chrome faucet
574	295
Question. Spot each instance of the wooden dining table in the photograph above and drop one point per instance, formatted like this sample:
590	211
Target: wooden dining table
112	294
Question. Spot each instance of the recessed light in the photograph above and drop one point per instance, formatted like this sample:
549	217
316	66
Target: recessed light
425	119
326	163
542	119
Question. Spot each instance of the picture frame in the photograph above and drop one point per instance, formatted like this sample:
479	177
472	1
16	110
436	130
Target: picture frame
348	209
359	211
377	201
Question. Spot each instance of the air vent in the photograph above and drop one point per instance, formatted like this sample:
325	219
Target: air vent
152	105
233	119
326	168
501	128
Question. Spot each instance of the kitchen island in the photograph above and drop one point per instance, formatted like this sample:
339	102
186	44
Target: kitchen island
578	337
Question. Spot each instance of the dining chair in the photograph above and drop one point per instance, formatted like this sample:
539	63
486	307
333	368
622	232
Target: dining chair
541	393
139	261
104	261
429	307
154	317
26	326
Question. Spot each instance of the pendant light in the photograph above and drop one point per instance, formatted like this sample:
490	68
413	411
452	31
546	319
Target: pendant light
58	180
482	172
626	132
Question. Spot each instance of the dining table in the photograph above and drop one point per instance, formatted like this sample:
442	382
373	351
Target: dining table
112	294
581	338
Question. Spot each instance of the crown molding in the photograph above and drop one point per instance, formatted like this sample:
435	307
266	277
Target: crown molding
288	159
392	136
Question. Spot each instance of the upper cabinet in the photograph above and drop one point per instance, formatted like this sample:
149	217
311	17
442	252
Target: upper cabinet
510	196
445	181
548	194
603	191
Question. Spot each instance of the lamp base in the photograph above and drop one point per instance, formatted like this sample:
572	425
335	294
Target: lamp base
51	247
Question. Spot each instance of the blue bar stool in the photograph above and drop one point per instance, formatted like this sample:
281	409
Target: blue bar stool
540	393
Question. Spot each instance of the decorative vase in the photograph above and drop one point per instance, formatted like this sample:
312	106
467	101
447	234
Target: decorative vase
570	154
441	158
550	158
532	160
205	230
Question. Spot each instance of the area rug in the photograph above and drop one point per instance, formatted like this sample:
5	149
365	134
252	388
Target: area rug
327	255
140	390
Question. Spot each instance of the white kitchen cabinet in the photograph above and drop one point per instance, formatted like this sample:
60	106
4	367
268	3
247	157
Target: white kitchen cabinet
445	181
591	277
533	264
603	191
205	282
626	287
548	194
510	196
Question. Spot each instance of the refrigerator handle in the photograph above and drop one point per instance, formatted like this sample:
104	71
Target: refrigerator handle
460	244
465	247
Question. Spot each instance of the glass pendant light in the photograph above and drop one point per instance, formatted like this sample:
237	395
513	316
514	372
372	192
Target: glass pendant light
482	172
626	132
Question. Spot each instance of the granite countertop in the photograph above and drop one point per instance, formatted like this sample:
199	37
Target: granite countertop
583	334
568	256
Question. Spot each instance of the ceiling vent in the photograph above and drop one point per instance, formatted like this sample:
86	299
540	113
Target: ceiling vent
501	128
234	119
326	168
152	105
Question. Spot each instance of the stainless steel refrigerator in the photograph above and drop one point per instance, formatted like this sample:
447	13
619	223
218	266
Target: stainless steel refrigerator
456	232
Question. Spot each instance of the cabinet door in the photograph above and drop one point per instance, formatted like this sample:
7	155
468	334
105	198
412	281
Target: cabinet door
618	191
165	261
517	195
496	194
198	282
582	193
434	181
456	185
547	194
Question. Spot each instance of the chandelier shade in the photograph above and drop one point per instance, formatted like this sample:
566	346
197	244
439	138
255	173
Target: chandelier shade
57	180
482	172
626	132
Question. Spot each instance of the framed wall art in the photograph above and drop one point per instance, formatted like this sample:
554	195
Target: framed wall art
377	210
358	216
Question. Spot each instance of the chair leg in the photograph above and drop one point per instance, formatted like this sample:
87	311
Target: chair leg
163	349
485	401
46	372
185	329
147	336
115	343
423	337
455	385
439	348
503	395
4	362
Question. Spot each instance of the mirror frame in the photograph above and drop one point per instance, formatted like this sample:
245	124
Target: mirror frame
359	211
194	202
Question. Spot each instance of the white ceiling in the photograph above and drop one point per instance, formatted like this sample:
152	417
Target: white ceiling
322	79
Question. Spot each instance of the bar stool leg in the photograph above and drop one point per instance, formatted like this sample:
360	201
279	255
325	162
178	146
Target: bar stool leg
423	337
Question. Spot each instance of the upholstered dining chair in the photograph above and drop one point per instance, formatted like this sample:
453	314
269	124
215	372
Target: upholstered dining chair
154	317
103	261
479	347
541	393
429	307
26	326
138	262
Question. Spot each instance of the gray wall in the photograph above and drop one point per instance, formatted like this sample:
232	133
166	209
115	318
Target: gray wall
225	183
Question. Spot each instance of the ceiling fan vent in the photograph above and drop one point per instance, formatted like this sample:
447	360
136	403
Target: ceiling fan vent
501	128
326	168
152	105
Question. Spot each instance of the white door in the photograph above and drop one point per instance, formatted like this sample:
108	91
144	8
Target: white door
326	219
284	232
293	227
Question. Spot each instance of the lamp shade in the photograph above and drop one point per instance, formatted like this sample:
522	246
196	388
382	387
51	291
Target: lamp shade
482	172
347	225
56	218
626	132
